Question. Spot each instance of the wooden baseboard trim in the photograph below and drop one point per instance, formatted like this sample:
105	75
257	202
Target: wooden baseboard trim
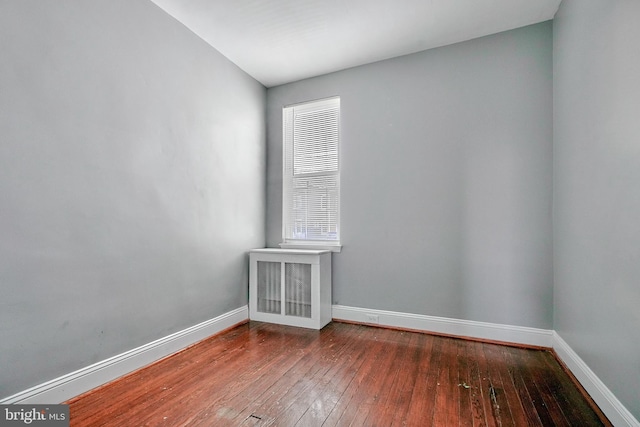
608	403
503	334
70	385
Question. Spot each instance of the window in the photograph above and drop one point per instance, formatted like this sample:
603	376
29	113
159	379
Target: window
311	180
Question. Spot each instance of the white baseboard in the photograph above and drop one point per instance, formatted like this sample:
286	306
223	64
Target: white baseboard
600	393
442	325
70	385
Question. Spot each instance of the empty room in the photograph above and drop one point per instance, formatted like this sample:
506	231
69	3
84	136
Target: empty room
320	212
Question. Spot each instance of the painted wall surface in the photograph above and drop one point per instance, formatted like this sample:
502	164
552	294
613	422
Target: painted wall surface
132	177
446	179
596	56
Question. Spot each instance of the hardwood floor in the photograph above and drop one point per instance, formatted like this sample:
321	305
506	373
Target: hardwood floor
345	375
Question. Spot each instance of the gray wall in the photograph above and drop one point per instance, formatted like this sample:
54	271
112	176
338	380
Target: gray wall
132	181
446	179
597	189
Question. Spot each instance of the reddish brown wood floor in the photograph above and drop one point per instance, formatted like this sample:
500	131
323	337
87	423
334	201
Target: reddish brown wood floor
344	375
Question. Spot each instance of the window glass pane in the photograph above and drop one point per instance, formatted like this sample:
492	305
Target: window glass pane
315	208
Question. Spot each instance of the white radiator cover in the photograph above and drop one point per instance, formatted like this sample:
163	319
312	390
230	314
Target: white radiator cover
290	287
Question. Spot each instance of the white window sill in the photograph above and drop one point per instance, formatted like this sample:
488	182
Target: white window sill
329	246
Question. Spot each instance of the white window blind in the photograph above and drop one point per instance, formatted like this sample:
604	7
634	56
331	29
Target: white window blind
311	181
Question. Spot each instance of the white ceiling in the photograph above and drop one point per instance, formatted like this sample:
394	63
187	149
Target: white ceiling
280	41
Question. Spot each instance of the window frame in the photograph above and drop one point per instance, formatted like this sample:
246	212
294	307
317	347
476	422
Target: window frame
288	175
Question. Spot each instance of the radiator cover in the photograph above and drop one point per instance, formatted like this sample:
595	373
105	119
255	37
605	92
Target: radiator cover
290	287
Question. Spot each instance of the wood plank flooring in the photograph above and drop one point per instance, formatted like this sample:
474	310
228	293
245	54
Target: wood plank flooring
345	375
